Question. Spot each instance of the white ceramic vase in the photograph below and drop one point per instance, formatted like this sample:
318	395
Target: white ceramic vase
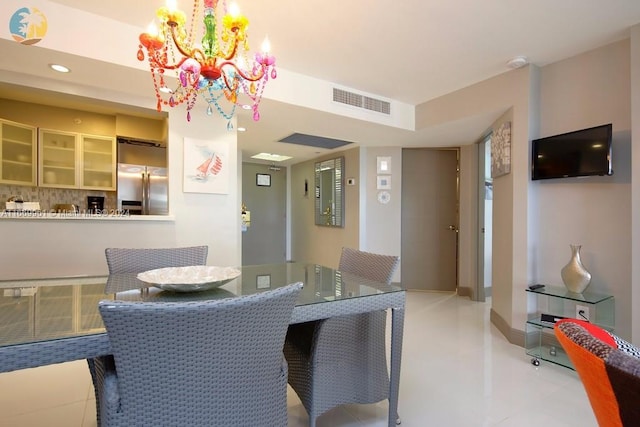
575	277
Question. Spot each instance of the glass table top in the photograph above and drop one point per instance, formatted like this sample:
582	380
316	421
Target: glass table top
34	310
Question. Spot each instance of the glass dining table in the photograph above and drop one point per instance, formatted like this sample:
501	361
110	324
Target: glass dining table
53	320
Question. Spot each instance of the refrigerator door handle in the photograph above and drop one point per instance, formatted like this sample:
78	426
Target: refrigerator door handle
148	195
145	201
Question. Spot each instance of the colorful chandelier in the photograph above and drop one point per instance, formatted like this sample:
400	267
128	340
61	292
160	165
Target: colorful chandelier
220	70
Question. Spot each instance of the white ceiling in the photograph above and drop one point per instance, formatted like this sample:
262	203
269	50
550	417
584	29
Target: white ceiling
410	51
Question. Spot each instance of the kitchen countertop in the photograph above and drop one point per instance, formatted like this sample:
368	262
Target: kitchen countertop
106	215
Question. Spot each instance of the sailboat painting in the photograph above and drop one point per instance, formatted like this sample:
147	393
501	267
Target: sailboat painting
206	168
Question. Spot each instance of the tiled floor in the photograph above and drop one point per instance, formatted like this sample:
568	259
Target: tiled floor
457	370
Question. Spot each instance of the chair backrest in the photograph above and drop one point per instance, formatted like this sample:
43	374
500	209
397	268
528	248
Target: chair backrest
376	267
137	260
215	362
610	376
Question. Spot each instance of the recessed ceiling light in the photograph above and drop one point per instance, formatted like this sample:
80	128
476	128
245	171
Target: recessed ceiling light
59	68
241	129
165	89
271	157
246	107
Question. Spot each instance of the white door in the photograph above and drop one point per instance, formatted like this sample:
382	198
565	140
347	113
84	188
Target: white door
429	249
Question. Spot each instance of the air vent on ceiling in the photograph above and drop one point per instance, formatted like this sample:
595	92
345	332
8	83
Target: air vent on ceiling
361	101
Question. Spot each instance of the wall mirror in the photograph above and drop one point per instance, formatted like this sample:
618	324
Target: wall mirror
329	192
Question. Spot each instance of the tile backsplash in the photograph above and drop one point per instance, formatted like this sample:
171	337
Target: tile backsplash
48	197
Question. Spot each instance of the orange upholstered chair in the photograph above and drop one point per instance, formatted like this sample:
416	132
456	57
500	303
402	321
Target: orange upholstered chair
608	368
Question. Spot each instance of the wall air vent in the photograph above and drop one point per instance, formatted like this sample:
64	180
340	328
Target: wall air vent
360	101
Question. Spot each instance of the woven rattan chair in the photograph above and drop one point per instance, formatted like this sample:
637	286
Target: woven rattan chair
343	359
137	260
196	363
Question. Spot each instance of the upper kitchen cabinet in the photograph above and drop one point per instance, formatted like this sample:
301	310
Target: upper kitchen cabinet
17	153
71	160
98	162
58	159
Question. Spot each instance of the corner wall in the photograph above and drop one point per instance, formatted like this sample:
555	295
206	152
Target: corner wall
511	271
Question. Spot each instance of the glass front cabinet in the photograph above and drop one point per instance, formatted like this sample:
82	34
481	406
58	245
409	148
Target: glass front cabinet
57	165
98	160
17	153
70	160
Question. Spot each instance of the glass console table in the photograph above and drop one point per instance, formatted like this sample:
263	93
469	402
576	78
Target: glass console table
556	302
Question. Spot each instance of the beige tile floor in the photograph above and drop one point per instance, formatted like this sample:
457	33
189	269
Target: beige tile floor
457	370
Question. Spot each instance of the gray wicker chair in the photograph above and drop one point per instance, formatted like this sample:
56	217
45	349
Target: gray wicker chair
197	363
137	260
343	359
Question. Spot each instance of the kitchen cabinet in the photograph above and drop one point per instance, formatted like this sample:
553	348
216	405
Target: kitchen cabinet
17	153
72	160
57	159
98	162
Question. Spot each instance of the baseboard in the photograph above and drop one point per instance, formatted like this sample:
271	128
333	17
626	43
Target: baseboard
464	291
514	336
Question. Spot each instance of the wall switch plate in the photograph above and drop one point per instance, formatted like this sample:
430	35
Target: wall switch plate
582	312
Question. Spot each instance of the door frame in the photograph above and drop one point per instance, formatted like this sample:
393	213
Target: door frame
482	146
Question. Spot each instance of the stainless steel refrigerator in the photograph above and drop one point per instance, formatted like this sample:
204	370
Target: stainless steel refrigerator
142	190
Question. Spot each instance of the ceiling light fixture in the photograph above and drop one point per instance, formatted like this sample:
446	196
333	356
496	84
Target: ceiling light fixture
517	62
220	70
271	157
59	68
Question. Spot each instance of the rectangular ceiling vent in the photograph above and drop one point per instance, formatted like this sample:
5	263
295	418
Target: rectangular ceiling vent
360	101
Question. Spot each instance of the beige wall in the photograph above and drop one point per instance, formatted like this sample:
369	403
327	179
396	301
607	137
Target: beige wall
141	128
468	221
70	120
64	119
315	243
635	182
584	91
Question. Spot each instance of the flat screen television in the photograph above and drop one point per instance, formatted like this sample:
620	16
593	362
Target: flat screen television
583	152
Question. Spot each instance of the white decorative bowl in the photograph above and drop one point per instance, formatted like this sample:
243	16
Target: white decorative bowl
189	279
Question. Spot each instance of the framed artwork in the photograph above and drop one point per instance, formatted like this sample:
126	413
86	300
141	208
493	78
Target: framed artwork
384	182
206	168
263	180
383	165
263	281
501	150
